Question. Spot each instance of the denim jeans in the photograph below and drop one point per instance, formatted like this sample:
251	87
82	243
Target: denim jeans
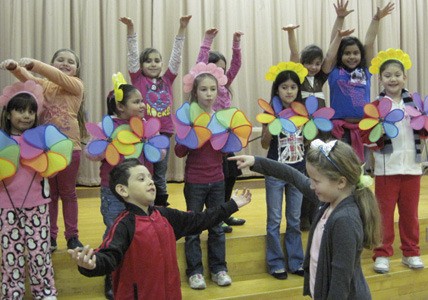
159	174
110	208
293	238
210	195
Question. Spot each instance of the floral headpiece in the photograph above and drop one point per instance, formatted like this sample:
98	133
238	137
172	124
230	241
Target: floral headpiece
390	54
297	68
28	87
118	80
202	68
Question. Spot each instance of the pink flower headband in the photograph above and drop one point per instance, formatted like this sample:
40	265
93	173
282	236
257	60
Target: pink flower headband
202	68
28	87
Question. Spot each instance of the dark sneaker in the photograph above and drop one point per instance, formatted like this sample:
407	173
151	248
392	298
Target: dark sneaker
108	289
226	228
74	243
54	245
280	274
232	221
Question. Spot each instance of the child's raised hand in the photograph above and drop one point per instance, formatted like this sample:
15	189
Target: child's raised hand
384	11
211	32
242	199
243	161
341	8
237	36
290	27
184	21
346	32
8	64
26	63
84	258
127	21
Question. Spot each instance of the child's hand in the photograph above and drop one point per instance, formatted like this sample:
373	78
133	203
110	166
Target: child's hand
290	27
243	161
211	32
8	64
26	63
384	11
85	257
237	36
242	199
184	21
341	9
343	33
127	21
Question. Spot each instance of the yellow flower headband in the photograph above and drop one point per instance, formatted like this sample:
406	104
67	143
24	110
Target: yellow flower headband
297	68
390	54
118	80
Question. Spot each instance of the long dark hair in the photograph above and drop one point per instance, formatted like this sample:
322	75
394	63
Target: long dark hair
283	77
21	101
349	41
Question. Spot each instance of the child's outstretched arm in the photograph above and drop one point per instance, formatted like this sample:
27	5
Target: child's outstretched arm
84	258
131	39
292	41
374	29
20	73
342	11
242	199
235	63
204	51
331	55
177	48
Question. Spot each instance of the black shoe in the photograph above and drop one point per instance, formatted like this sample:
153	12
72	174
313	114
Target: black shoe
226	228
300	272
74	243
280	275
108	288
54	245
161	200
232	221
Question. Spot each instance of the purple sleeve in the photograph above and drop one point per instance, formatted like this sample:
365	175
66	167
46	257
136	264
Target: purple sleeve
204	51
235	64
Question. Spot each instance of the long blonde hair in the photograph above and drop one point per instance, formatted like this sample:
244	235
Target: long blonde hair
344	162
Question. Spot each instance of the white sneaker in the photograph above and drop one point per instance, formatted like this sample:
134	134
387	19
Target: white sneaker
197	282
413	262
381	265
221	278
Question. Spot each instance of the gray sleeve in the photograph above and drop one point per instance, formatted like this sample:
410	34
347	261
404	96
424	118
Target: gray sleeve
177	49
133	56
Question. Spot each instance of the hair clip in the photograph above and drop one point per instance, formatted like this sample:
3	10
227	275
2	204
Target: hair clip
202	68
118	80
297	68
390	54
28	87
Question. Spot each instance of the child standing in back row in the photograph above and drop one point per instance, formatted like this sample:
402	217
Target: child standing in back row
156	89
398	166
224	100
24	209
204	184
63	91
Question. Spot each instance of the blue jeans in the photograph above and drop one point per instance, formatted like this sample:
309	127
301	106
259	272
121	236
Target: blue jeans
110	208
293	237
210	195
159	175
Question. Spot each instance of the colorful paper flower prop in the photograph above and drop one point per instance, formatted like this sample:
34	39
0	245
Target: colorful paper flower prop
419	113
311	118
105	143
146	138
381	118
390	54
297	68
28	87
276	117
9	156
230	130
46	150
201	68
191	123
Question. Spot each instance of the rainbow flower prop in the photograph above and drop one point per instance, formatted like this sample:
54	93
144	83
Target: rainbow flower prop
276	117
230	130
46	150
419	113
145	136
191	123
9	156
311	118
105	143
381	118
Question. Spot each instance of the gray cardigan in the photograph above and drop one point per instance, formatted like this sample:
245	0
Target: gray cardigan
339	274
